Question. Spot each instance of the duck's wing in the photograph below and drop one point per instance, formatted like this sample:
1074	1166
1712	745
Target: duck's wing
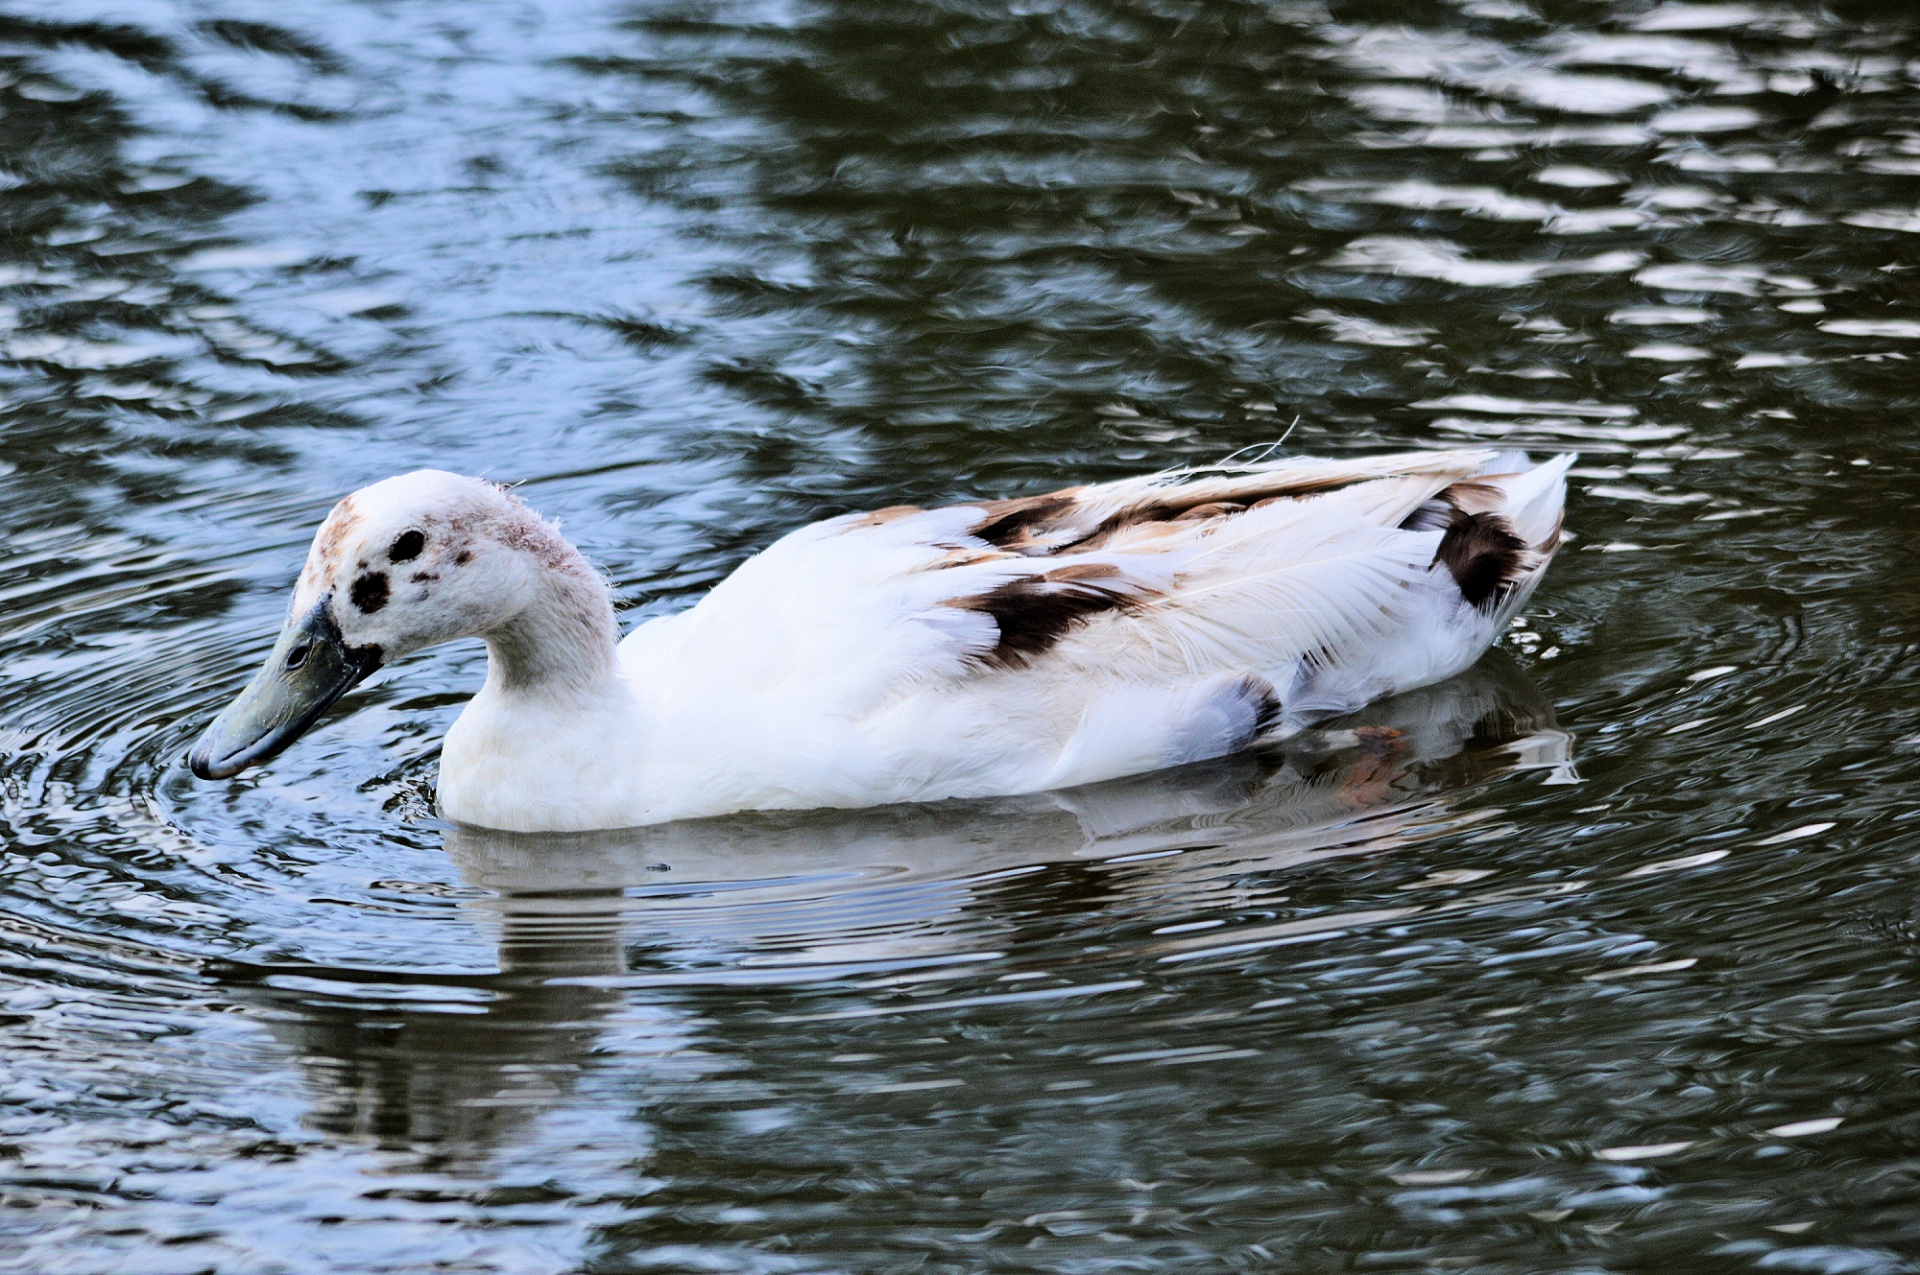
1300	587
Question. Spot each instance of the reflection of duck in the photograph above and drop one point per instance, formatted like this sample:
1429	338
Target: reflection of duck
806	884
454	1066
450	1066
913	654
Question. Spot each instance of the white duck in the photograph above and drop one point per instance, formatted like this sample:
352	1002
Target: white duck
910	654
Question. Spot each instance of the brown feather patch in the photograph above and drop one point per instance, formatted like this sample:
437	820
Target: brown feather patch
1483	555
1025	525
1034	612
1480	548
1081	571
1010	524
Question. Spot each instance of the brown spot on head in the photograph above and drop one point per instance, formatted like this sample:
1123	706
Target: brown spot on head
424	577
406	546
462	558
339	525
369	592
541	542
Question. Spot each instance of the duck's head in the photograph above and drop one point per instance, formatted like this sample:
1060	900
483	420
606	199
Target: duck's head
423	558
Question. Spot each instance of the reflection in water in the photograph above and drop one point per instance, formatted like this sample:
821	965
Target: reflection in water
450	1067
701	272
915	882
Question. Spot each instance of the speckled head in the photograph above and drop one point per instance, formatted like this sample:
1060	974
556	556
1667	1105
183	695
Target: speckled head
427	557
423	558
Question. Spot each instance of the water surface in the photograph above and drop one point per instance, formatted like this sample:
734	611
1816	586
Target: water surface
1606	961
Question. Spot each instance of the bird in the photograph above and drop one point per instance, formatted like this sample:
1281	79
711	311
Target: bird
989	648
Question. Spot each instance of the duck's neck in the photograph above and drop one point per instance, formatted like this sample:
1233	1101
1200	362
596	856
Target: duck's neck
551	743
560	647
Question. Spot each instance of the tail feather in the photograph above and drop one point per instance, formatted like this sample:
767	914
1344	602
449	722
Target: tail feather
1535	495
1500	527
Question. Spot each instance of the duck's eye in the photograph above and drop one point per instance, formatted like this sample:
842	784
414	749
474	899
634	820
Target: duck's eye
407	546
298	656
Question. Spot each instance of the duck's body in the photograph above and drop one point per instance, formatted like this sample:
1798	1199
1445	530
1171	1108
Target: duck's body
919	654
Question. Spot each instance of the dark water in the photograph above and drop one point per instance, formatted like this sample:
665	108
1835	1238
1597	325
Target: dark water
1609	963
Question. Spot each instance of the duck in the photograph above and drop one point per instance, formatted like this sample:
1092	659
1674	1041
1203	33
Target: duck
906	654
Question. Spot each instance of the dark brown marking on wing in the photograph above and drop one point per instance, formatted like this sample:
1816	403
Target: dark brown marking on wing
1481	550
1081	571
1011	524
1038	525
1034	612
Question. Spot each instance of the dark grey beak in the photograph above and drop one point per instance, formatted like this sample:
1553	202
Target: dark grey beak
311	666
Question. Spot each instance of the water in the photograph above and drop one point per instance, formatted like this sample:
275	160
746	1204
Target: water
1608	963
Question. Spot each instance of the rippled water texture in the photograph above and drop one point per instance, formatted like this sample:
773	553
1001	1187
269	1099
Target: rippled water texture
1608	961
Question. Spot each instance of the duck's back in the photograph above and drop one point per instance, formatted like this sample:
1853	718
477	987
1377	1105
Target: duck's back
1013	646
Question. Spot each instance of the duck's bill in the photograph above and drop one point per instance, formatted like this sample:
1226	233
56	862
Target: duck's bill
309	669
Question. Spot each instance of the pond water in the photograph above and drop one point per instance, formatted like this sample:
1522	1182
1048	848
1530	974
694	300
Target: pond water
1608	962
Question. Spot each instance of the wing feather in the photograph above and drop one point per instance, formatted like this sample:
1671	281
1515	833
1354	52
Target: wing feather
1276	579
